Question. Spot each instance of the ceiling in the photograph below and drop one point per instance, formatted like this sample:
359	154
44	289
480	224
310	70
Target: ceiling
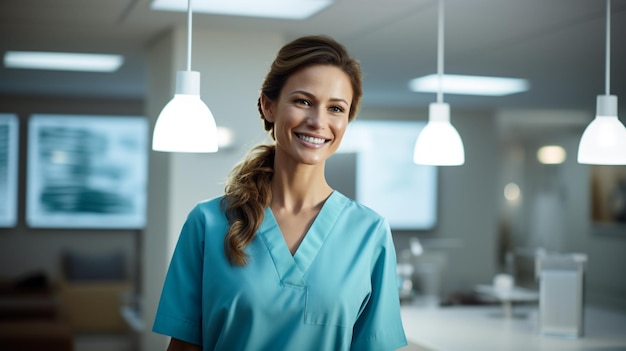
559	45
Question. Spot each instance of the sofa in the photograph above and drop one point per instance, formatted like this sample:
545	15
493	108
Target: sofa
94	287
32	316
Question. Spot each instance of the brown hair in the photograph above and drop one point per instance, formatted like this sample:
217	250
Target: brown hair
248	189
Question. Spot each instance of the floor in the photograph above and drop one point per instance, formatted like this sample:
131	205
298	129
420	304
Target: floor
413	347
104	342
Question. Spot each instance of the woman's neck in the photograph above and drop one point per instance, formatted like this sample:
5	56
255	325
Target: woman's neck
299	188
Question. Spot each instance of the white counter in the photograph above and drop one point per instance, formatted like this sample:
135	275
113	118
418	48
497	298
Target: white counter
482	328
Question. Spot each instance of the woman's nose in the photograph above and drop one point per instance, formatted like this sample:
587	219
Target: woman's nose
316	118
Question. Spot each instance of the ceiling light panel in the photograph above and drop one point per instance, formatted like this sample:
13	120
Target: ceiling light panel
62	61
469	85
285	9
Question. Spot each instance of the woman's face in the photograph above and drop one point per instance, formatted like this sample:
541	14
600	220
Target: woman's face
311	114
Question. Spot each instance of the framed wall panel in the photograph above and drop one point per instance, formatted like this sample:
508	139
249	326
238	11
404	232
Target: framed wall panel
374	164
87	171
9	135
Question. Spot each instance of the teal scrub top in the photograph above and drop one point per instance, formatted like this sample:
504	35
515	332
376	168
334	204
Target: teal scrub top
338	291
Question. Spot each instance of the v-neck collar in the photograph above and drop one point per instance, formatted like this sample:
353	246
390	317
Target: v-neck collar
291	268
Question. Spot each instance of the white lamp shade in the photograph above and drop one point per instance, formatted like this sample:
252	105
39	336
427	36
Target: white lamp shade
185	125
604	140
439	144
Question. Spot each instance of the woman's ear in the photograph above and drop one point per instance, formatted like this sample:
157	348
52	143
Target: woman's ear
267	106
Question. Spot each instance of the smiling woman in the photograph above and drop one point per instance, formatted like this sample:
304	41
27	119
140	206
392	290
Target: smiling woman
283	261
310	115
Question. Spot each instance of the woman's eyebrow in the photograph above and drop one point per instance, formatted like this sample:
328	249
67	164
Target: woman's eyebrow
303	92
340	100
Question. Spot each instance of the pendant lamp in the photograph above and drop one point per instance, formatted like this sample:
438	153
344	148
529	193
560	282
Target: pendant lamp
439	144
186	124
604	140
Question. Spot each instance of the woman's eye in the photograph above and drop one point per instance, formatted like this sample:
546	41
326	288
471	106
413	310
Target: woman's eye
336	109
303	102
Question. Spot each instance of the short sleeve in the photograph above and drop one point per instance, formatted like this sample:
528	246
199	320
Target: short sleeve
179	314
379	326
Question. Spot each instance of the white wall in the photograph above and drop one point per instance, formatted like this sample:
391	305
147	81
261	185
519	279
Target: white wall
155	242
232	66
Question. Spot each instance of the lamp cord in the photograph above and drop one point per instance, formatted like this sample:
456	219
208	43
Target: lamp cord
440	53
189	36
608	48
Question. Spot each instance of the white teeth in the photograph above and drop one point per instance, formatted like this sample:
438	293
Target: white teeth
311	140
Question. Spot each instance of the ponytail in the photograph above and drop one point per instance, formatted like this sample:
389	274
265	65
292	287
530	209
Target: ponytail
248	193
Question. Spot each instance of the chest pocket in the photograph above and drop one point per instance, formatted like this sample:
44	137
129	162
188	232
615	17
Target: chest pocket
335	305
